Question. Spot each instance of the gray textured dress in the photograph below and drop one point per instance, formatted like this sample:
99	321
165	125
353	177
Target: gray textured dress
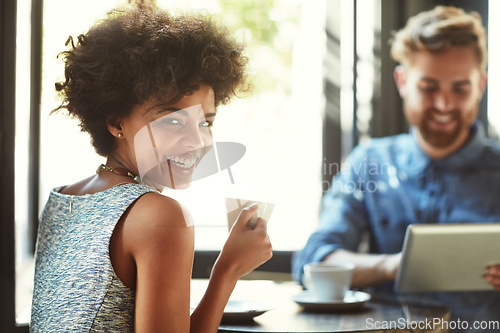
76	288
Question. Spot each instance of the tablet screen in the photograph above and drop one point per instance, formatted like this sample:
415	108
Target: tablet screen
448	257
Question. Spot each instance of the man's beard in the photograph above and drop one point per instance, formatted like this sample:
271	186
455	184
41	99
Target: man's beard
439	138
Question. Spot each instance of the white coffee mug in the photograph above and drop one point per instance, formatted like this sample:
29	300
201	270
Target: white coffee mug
235	205
328	281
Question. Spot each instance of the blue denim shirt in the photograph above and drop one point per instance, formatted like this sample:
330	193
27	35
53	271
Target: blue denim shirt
389	183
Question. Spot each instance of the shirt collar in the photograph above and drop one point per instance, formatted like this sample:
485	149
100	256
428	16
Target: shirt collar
418	160
469	152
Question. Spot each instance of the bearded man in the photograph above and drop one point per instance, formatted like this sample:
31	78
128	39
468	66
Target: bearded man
444	170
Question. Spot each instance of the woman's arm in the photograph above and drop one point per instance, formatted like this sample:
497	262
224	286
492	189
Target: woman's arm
161	239
244	250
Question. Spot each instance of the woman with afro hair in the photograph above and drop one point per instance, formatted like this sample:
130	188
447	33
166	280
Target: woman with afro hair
113	254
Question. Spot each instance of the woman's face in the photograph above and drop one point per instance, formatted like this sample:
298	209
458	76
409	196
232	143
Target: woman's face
167	141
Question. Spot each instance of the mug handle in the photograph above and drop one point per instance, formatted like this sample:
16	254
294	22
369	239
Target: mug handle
306	281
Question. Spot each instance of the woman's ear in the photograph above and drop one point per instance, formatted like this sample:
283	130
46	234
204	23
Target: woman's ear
400	78
115	128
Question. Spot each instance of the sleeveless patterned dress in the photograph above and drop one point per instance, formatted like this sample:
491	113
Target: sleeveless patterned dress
76	288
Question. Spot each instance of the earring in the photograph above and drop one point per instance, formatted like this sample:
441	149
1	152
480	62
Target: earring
120	135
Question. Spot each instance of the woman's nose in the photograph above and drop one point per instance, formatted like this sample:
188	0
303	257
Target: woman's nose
197	137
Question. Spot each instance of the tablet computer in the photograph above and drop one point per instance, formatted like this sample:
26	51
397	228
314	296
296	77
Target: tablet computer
448	257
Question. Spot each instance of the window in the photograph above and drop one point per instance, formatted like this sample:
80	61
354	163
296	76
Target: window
24	250
280	124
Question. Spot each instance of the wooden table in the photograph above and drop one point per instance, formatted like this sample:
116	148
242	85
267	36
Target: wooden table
287	316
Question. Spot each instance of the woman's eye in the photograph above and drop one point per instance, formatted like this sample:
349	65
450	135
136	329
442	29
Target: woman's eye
207	124
171	121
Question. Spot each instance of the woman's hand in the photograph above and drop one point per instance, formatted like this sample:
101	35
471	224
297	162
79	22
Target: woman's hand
248	245
493	276
246	248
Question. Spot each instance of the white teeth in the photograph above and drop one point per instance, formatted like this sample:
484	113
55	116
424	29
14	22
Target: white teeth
181	161
442	119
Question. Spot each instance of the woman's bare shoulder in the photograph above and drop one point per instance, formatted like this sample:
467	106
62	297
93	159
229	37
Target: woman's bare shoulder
153	230
156	226
81	187
156	209
94	184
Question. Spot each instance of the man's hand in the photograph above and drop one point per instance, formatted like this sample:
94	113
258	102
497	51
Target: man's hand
493	276
390	266
371	269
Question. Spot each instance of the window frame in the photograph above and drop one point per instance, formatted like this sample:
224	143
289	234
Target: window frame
8	11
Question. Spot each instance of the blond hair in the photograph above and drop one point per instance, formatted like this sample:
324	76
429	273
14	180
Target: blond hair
438	30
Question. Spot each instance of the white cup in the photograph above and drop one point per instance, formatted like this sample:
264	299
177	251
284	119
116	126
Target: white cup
235	205
328	281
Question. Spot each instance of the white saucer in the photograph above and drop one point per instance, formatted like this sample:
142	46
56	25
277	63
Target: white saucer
352	300
237	310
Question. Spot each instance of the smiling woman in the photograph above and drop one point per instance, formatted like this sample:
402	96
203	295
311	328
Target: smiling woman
113	254
255	159
280	35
